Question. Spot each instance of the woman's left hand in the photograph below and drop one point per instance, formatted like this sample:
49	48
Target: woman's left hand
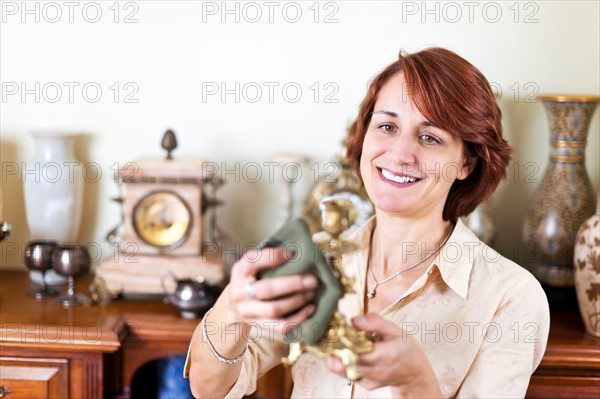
396	361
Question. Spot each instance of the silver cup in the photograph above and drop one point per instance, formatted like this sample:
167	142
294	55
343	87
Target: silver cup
71	261
38	256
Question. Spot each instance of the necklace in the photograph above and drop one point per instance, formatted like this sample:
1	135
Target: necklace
371	293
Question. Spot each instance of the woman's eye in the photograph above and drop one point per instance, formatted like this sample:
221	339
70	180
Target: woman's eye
387	128
429	139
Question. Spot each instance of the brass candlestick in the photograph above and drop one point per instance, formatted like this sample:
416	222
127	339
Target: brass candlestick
341	339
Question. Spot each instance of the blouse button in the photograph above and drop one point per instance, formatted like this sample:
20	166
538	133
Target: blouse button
349	383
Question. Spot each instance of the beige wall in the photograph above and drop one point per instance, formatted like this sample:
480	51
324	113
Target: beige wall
170	51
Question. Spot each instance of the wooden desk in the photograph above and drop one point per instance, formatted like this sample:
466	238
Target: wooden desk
571	365
88	352
93	352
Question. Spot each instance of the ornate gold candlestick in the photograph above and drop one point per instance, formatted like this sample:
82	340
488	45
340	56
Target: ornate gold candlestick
341	339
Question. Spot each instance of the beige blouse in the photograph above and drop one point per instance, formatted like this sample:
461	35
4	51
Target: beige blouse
481	319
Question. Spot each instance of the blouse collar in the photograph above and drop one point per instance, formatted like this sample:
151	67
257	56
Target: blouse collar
454	261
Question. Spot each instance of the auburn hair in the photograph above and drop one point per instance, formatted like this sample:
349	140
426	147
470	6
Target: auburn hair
456	97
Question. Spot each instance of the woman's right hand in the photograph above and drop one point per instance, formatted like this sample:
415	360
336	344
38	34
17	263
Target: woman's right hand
280	303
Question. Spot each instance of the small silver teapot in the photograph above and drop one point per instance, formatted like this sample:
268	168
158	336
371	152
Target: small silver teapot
192	296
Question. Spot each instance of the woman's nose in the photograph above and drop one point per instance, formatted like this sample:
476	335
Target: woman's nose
403	150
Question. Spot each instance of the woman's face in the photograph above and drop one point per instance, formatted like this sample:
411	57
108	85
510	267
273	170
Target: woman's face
407	164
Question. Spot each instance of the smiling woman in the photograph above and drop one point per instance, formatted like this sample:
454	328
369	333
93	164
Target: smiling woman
451	97
404	151
456	318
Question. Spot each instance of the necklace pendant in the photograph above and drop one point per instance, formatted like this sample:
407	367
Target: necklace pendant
371	294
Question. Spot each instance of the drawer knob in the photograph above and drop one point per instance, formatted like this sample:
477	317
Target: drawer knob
4	390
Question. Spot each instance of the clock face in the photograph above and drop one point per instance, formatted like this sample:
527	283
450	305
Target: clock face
162	219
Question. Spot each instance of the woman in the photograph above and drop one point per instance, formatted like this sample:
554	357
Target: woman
456	318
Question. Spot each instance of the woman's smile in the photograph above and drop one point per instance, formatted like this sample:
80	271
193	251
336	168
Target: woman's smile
399	180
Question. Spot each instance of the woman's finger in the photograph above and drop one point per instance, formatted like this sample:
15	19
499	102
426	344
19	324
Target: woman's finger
374	323
295	319
282	286
388	353
275	309
255	260
391	339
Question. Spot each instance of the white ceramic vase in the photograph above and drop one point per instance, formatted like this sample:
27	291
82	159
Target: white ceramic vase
586	263
53	189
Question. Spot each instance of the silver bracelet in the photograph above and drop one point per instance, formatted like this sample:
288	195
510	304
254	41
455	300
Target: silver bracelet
212	348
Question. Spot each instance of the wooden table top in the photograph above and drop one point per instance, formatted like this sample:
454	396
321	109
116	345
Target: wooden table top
25	321
569	346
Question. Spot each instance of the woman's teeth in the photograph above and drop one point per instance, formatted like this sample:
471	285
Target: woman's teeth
398	179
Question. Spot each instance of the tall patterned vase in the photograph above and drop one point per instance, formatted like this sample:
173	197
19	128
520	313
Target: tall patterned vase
564	198
587	272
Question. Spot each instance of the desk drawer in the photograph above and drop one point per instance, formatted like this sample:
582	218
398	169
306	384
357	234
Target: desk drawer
32	378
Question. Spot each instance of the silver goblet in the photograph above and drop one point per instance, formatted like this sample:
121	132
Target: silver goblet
71	261
38	256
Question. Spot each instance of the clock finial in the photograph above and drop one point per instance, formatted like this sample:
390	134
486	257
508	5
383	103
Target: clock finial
169	142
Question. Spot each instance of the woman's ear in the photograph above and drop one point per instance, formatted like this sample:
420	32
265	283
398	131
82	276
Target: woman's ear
468	165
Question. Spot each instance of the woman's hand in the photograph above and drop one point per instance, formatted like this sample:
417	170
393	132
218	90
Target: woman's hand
396	361
280	303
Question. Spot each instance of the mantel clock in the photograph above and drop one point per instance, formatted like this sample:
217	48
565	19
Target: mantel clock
161	230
